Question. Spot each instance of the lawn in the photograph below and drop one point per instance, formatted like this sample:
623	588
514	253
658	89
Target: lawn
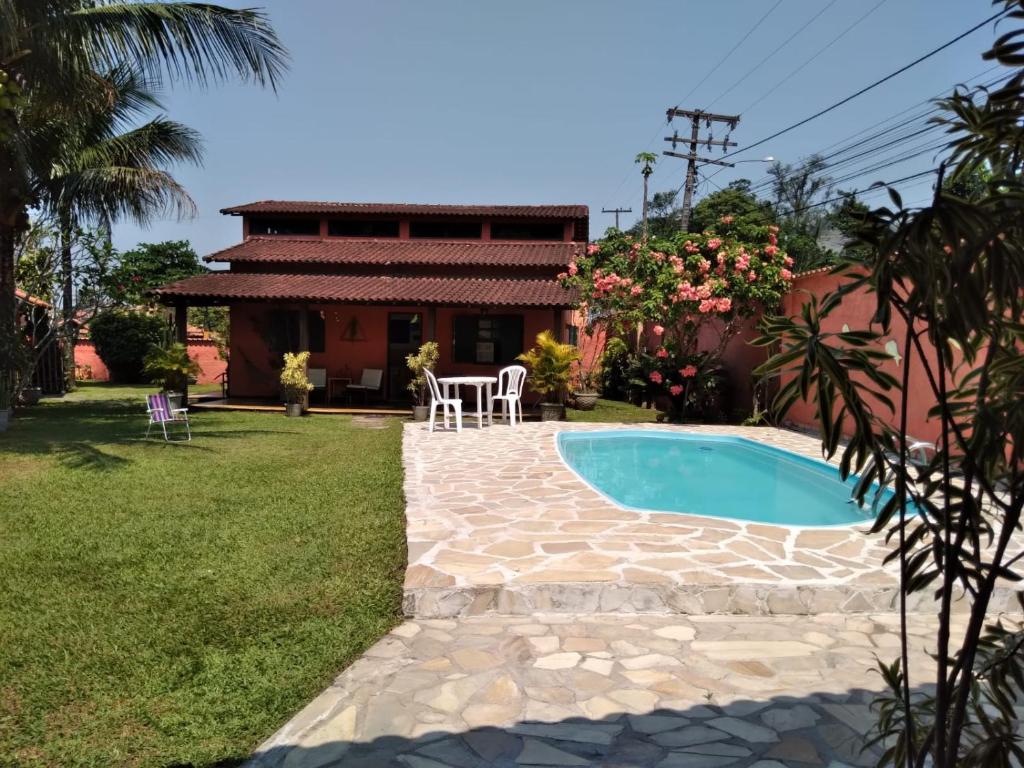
174	604
614	411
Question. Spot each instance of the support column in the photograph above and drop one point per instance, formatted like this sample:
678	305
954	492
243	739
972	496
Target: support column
558	330
430	332
181	336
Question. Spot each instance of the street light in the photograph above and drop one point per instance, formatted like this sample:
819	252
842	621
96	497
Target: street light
767	159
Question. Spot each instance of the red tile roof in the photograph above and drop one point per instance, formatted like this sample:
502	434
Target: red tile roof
413	209
386	252
364	289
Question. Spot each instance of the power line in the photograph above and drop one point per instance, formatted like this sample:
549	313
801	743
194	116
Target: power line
710	72
870	87
800	68
732	50
761	63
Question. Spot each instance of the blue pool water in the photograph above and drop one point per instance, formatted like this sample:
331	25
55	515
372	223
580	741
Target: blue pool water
711	475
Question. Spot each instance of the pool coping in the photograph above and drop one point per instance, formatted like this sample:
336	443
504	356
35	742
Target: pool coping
498	523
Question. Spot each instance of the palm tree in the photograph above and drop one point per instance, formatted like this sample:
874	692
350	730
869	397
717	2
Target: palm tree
53	54
102	168
648	159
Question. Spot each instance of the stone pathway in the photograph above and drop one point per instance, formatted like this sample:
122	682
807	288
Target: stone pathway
604	690
498	523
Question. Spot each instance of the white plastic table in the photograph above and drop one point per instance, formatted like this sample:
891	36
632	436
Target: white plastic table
479	382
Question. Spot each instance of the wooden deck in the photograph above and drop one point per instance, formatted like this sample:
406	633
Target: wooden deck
268	406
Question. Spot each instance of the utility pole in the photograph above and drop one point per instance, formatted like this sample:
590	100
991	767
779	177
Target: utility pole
616	211
696	116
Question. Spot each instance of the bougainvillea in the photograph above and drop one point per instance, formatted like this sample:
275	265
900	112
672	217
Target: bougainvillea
674	288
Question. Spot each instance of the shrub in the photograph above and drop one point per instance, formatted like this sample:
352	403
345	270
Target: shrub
424	360
550	365
170	367
615	369
122	340
295	384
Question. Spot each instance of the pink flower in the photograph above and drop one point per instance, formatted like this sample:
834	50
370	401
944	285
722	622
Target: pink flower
771	250
787	261
714	244
786	274
751	276
676	390
593	248
636	290
573	269
688	372
727	220
656	377
662	352
658	330
562	275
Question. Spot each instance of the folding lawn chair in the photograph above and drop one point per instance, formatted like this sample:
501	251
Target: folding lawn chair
160	412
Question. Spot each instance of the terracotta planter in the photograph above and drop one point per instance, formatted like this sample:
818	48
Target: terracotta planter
293	409
420	412
552	411
585	401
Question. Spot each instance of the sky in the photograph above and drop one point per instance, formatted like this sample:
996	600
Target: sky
547	101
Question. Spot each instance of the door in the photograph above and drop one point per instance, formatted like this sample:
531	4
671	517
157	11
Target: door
405	334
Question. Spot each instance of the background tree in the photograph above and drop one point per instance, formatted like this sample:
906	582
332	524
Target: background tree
797	192
647	160
96	169
736	200
55	53
660	210
948	281
148	266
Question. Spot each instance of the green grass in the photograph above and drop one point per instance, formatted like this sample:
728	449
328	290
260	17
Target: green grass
91	391
614	411
173	604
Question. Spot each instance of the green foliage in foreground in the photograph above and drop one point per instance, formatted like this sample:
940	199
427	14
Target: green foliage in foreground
169	604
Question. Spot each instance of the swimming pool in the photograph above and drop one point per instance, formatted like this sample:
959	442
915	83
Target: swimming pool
713	476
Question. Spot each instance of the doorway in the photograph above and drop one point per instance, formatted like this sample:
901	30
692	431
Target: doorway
405	335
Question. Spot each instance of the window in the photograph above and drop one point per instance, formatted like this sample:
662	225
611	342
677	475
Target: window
446	230
362	228
526	230
572	334
487	339
284	227
283	330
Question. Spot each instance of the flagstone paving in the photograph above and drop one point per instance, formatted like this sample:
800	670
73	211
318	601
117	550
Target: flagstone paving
498	523
605	690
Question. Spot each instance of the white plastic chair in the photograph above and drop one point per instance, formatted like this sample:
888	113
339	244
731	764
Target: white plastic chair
437	400
510	392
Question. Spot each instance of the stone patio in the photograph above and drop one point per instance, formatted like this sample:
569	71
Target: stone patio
605	690
498	523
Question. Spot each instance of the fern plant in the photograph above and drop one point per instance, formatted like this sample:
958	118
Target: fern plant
170	367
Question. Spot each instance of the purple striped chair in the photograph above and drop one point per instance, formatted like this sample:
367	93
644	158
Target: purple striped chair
160	412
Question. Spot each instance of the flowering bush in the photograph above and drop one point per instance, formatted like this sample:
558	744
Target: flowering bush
675	287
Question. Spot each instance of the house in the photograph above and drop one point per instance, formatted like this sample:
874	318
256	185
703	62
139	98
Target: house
361	285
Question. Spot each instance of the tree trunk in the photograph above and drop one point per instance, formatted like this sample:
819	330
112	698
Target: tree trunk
68	327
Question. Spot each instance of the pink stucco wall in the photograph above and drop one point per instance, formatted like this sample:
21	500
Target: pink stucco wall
205	352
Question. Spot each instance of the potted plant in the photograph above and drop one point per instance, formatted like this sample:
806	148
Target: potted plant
587	387
550	371
171	368
424	360
295	384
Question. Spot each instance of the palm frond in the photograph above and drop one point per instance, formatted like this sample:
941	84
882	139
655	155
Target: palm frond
139	194
190	42
157	143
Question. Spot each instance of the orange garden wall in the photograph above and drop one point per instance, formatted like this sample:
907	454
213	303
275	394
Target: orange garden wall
356	338
205	352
